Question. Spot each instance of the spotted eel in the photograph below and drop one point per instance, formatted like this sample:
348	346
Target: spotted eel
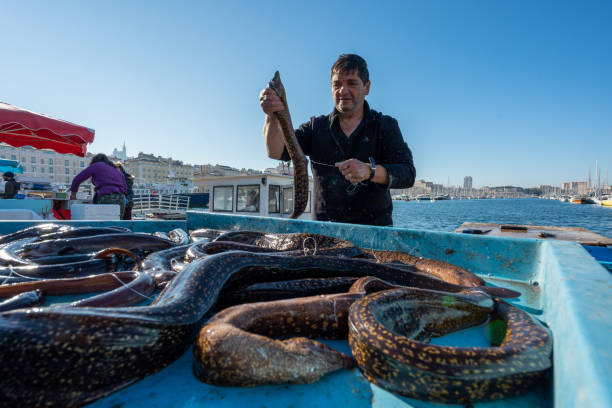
300	163
317	243
65	356
443	270
388	333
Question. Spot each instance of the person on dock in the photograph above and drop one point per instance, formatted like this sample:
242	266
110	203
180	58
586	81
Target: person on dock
11	187
129	195
108	181
357	154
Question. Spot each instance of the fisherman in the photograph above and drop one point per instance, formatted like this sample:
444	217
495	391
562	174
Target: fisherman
109	182
357	154
11	187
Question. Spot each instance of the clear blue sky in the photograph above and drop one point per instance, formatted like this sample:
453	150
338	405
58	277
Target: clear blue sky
509	92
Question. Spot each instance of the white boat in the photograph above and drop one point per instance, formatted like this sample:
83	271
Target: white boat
267	195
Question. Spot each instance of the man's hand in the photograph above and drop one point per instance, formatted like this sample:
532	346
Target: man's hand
270	102
73	195
355	171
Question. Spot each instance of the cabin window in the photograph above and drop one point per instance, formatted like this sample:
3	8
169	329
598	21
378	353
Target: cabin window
287	207
223	198
247	198
307	209
274	199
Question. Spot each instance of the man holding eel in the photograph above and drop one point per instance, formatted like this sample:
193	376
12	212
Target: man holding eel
357	154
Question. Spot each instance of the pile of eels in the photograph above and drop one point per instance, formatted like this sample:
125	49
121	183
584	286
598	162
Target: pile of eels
252	305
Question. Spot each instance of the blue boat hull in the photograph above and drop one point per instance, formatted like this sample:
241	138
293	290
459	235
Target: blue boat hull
562	285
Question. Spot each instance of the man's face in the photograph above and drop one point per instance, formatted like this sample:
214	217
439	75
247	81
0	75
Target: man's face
348	91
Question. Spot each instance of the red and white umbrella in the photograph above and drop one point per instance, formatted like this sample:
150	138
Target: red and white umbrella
21	127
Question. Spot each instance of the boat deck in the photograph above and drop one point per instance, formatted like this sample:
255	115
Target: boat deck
580	235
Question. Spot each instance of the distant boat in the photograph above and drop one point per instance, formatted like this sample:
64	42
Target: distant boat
582	200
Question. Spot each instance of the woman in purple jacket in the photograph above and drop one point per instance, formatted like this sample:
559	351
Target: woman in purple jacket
109	182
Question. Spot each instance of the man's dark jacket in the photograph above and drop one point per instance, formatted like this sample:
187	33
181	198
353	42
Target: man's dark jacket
11	187
376	136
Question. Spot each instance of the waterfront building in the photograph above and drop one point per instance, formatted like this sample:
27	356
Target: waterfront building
149	169
575	187
46	164
467	183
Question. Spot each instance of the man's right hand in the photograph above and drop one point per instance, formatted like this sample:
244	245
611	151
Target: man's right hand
270	102
73	196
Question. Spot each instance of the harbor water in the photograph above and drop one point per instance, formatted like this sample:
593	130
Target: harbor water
447	215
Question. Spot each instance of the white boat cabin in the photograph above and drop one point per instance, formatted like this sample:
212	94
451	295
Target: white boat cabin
268	195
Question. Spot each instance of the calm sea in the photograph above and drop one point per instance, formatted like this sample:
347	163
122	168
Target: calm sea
447	215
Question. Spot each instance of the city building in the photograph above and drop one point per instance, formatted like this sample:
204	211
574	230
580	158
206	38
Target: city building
149	169
467	183
575	187
46	164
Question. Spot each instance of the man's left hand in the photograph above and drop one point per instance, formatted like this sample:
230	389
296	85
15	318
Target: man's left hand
355	171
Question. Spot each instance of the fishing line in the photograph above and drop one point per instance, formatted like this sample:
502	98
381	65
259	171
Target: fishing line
306	249
12	272
351	188
132	289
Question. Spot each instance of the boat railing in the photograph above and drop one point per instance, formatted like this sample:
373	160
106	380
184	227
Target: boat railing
147	203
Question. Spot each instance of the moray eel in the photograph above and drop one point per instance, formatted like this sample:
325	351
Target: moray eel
443	270
325	245
82	232
205	233
68	286
235	348
286	289
34	232
26	273
388	333
178	236
209	248
309	243
300	163
26	299
130	241
66	356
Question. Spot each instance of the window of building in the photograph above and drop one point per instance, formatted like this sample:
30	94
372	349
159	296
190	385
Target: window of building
50	161
66	163
223	198
33	159
82	164
50	169
42	169
273	199
42	161
33	169
247	198
287	207
67	170
13	157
